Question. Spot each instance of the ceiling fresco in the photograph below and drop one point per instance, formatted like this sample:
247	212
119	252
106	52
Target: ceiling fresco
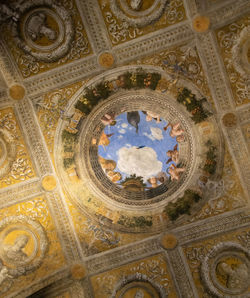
132	146
124	148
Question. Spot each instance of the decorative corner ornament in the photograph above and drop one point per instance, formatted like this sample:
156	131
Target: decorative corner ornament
49	183
169	241
201	24
229	120
78	271
106	59
17	92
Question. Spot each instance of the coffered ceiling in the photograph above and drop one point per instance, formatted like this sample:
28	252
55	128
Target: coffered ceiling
75	222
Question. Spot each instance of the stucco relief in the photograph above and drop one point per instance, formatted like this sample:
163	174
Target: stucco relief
50	108
226	270
43	27
23	245
15	163
46	34
147	276
138	286
142	15
128	20
234	43
216	260
224	193
7	152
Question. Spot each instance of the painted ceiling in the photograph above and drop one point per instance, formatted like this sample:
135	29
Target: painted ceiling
124	148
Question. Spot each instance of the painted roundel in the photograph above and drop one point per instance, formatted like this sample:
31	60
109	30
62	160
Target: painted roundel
226	270
132	143
138	12
134	151
44	30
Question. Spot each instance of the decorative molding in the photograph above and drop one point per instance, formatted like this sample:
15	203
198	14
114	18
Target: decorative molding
20	192
9	71
63	286
33	288
239	151
4	99
134	280
181	276
14	261
34	19
26	264
153	42
62	76
35	140
212	226
64	227
192	7
223	14
95	25
243	114
216	77
122	255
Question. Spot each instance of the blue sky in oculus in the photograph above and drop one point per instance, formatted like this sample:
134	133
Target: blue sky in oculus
142	153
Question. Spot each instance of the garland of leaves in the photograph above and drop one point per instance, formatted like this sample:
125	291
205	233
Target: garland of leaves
129	80
135	221
211	163
193	105
101	91
139	80
182	204
134	177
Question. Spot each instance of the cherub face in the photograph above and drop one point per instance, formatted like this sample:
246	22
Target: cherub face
180	138
153	180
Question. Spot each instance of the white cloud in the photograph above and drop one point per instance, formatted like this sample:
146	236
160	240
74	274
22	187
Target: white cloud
120	137
156	133
124	125
128	145
149	136
142	162
122	131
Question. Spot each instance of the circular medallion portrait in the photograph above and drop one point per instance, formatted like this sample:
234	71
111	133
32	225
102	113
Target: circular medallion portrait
226	270
23	244
44	30
232	273
138	12
19	245
139	289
